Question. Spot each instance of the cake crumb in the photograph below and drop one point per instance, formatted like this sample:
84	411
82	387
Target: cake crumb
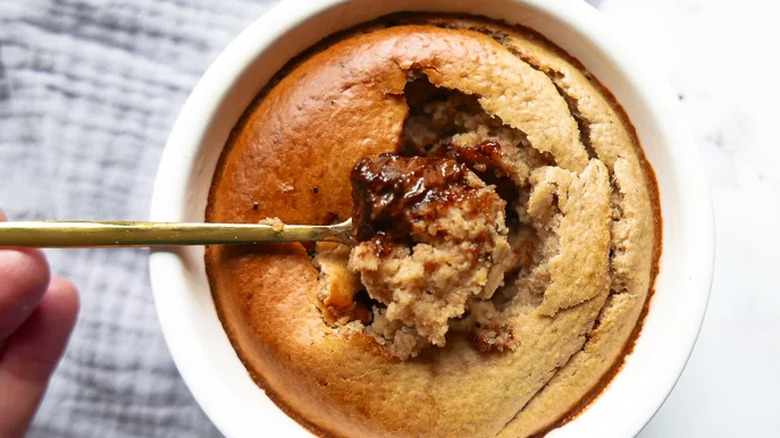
274	222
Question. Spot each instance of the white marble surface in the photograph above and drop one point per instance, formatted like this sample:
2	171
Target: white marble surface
723	60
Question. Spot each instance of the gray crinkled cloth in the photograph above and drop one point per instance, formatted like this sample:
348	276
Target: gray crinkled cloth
88	93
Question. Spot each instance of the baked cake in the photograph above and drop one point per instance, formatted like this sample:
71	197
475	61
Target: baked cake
497	303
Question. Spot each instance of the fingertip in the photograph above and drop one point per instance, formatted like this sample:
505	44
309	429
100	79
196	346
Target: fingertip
2	215
31	354
24	278
64	297
34	349
24	268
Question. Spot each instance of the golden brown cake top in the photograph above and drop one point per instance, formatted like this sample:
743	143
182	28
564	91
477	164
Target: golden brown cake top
580	208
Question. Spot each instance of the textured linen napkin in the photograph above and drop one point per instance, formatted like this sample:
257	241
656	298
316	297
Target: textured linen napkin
89	90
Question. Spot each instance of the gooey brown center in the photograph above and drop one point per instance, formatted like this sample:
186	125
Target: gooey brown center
390	193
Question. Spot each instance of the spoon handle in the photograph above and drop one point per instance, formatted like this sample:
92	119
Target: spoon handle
64	234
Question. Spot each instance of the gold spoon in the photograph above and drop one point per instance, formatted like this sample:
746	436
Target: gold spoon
64	234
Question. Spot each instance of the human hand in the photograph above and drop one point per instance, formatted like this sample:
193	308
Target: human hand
37	314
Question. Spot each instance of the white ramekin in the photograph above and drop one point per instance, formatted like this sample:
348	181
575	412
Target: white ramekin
197	341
